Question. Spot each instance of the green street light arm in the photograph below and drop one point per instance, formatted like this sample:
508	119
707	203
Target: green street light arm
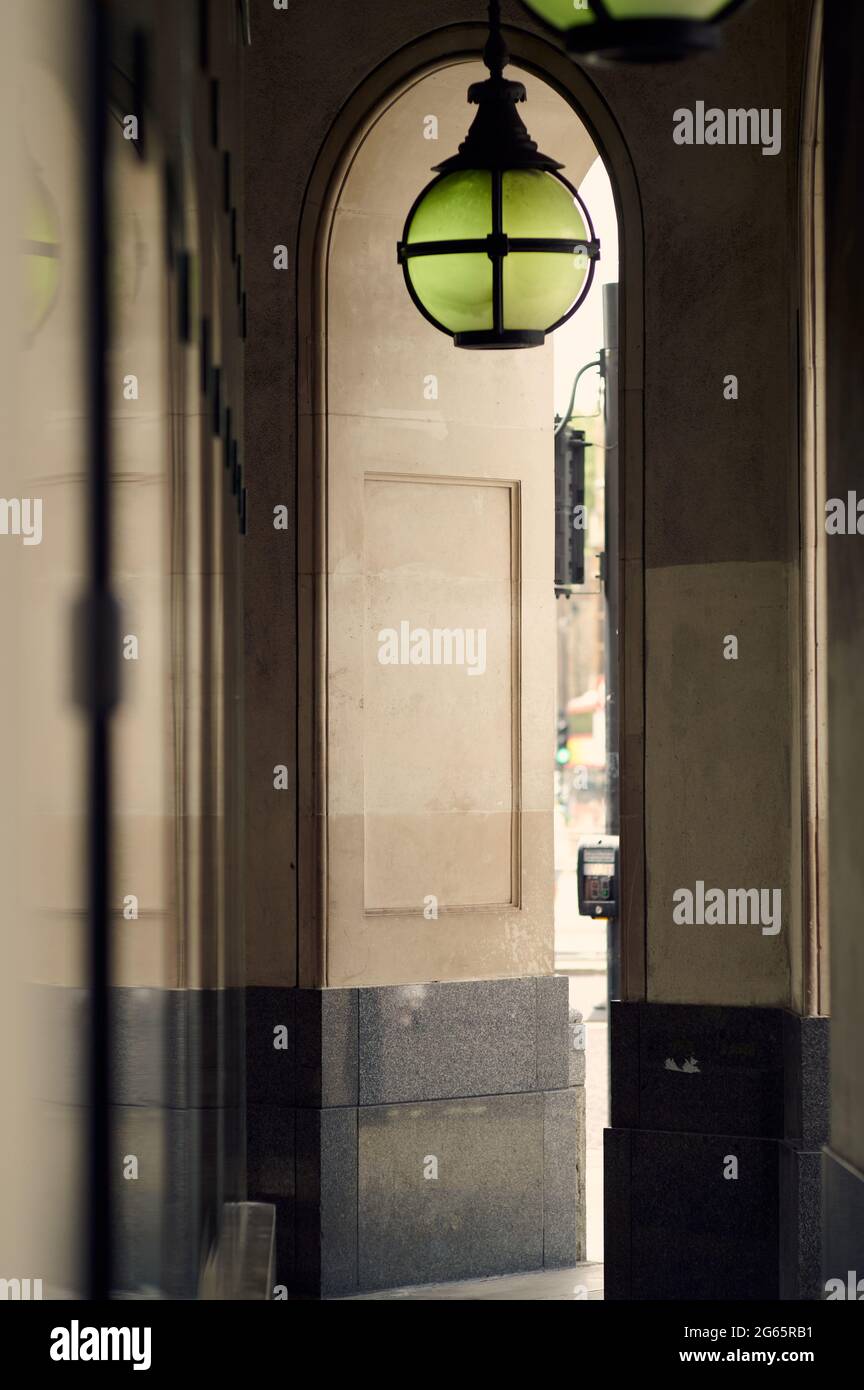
597	362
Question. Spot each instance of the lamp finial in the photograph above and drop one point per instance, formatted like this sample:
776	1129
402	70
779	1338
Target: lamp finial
495	54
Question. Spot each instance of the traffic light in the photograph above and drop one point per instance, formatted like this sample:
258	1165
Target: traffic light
570	511
562	755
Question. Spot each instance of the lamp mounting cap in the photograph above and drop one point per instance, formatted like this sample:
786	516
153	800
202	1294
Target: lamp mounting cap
498	138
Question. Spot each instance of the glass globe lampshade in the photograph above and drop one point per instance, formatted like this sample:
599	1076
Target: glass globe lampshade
635	30
499	249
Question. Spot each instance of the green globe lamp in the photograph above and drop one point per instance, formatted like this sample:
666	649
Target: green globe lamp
41	251
636	31
499	249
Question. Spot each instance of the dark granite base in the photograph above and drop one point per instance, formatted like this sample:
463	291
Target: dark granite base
177	1110
843	1222
178	1105
435	1129
693	1088
800	1222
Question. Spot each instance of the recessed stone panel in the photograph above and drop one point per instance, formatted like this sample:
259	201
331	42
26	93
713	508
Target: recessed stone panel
440	691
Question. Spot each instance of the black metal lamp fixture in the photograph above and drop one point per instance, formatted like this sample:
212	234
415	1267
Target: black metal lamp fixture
499	249
636	31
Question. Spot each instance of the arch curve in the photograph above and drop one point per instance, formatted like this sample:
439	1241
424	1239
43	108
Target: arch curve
447	46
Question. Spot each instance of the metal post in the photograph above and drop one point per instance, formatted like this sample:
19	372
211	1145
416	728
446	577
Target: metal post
611	544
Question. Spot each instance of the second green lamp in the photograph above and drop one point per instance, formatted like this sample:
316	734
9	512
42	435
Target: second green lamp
635	30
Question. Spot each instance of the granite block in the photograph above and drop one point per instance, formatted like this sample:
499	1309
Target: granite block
843	1219
138	1203
270	1151
701	1069
326	1057
233	1139
307	1203
191	1050
325	1249
140	1036
339	1201
340	1069
177	1047
807	1093
269	1069
692	1233
553	1032
816	1088
483	1212
617	1214
441	1041
233	1023
624	1064
192	1195
563	1178
308	1063
576	1059
800	1223
685	1077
